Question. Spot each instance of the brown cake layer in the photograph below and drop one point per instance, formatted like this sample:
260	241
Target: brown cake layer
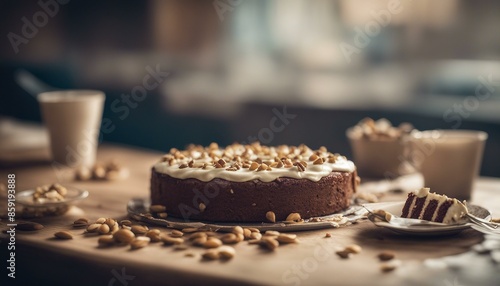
406	208
429	211
441	213
419	206
250	201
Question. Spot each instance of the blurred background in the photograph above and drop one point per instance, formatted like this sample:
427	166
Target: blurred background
222	70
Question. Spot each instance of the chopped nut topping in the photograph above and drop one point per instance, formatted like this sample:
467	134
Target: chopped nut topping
197	165
313	157
254	166
221	162
253	157
300	166
208	167
262	167
213	146
318	161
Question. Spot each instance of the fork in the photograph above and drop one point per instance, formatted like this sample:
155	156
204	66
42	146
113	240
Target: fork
488	224
400	221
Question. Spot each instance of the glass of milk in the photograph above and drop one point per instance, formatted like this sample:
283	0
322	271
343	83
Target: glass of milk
73	119
449	160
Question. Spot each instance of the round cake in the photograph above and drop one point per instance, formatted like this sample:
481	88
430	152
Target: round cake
252	183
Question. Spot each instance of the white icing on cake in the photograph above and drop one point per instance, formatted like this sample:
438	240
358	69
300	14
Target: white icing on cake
456	213
422	192
312	172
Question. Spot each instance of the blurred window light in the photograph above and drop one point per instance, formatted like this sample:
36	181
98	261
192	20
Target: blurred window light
432	14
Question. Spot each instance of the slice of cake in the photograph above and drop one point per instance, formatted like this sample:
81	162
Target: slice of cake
424	205
251	183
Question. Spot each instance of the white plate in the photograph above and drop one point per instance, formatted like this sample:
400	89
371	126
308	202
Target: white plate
137	208
396	209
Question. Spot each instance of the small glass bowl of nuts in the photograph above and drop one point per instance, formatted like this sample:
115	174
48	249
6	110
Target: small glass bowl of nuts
379	148
49	200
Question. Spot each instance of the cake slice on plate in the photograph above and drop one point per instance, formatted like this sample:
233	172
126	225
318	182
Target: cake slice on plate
422	204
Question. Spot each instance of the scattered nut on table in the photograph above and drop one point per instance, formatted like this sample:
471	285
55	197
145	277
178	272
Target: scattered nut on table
63	235
348	250
389	266
114	233
353	248
343	254
29	226
108	172
386	256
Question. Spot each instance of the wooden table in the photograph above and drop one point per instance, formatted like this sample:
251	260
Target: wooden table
40	259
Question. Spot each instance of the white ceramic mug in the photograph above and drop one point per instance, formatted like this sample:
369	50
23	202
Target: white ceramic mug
449	160
73	118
